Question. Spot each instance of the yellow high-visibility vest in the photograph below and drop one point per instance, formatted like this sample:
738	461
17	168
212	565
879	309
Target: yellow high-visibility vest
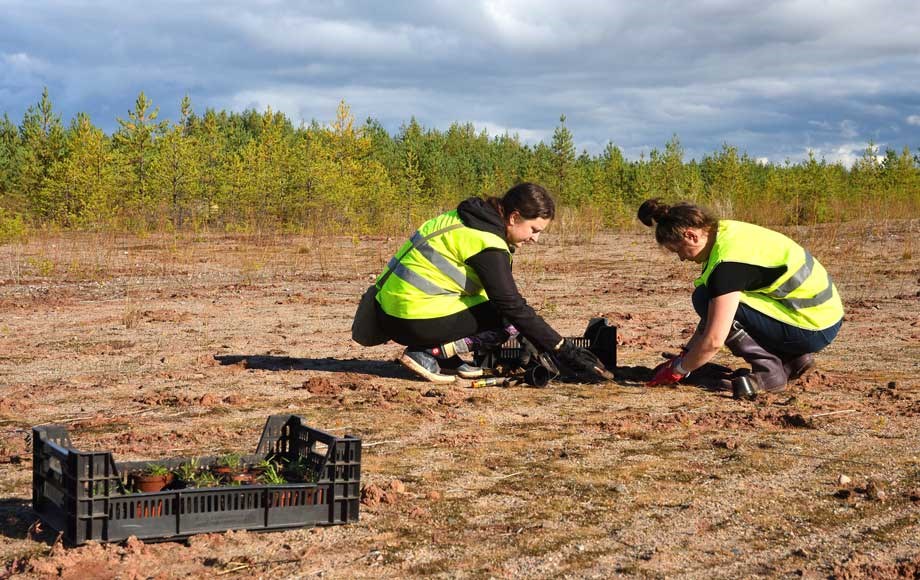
430	278
804	296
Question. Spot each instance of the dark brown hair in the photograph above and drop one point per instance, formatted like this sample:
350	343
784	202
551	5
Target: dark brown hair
528	199
672	220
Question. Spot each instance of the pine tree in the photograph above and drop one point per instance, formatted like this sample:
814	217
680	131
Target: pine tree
134	142
174	169
210	152
10	152
43	145
82	185
563	151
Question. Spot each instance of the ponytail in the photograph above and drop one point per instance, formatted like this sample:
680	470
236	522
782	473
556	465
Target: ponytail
670	221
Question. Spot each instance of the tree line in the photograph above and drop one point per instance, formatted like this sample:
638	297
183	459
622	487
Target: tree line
252	170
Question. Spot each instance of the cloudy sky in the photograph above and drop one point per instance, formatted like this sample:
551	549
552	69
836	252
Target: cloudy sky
773	78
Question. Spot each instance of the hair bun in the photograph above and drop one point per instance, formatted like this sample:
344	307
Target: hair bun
651	211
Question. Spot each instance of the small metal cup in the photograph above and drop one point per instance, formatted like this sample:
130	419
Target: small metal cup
743	388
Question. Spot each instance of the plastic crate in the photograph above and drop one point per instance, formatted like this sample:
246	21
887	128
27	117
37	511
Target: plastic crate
600	338
80	493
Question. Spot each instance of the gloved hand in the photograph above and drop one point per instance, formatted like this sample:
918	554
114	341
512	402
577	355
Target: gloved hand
582	360
668	373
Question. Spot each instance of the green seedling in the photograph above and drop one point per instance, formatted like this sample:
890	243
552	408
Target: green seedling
231	460
271	475
300	469
156	470
205	479
188	470
265	465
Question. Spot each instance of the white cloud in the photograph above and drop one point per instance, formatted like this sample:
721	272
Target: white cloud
529	136
22	63
848	129
349	37
844	153
913	120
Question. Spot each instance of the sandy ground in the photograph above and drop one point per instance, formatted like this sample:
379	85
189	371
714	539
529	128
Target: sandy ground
162	347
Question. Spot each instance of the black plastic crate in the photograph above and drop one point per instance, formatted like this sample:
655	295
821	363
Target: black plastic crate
600	338
81	493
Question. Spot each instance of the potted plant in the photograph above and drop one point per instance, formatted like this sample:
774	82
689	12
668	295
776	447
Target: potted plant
186	472
204	478
262	466
154	477
227	464
271	475
241	477
299	470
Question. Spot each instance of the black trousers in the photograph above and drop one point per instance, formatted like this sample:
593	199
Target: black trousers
429	332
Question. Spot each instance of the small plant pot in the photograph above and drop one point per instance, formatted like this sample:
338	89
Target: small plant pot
146	483
224	473
243	478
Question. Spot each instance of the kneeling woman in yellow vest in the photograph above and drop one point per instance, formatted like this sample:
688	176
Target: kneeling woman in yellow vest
449	289
760	294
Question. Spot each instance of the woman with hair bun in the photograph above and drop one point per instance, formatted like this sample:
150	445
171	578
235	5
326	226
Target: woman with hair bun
760	294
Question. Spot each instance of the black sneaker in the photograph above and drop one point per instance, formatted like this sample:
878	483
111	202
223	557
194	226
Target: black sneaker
457	365
424	365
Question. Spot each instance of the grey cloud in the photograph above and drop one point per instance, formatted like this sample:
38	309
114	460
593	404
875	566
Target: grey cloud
772	78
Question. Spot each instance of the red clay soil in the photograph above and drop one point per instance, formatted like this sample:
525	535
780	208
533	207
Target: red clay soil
156	348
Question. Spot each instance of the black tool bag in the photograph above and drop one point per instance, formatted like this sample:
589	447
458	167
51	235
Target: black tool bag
365	329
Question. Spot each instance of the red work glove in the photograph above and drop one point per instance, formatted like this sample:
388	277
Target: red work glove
667	373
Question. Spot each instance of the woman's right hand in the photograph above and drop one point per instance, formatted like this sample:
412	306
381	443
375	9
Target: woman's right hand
582	360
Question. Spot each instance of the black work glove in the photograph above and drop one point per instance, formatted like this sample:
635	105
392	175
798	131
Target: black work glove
582	360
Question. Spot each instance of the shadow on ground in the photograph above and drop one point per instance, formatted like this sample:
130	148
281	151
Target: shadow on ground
709	377
18	521
385	368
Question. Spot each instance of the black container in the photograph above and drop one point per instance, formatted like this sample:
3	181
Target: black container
81	493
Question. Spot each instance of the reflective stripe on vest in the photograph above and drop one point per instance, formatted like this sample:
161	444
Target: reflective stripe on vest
416	280
431	278
440	262
796	280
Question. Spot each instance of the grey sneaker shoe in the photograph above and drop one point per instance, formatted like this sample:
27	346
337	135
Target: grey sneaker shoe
424	365
463	369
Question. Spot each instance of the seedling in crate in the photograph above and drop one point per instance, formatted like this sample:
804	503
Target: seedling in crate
186	472
154	477
228	464
230	460
262	466
270	474
204	479
299	470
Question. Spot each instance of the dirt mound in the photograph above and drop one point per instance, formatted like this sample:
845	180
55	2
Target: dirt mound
372	495
322	386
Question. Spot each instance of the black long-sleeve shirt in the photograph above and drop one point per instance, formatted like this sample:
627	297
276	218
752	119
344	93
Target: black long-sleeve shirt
494	270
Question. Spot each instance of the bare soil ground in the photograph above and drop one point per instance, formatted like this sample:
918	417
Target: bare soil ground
161	347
